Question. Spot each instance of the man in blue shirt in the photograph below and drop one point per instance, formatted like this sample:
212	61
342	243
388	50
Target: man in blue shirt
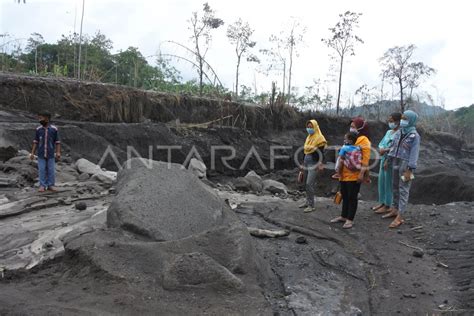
49	148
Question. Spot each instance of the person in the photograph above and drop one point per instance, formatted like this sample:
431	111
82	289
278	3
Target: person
314	148
49	148
351	180
385	170
349	155
403	156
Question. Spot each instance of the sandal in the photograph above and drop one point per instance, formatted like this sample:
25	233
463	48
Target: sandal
396	222
382	210
338	219
347	225
374	208
392	213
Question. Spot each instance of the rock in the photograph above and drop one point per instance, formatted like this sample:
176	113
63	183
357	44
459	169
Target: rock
85	166
80	206
7	153
23	152
83	177
470	221
266	233
408	295
197	270
454	239
301	240
273	186
104	177
255	180
242	184
198	168
418	253
164	202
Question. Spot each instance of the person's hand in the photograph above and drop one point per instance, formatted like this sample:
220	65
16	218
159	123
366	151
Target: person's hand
407	174
58	156
360	178
320	167
32	156
385	165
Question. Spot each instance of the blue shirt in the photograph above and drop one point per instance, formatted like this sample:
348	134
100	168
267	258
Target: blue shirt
47	137
406	147
347	149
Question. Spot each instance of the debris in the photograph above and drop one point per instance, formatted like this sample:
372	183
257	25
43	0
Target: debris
410	246
408	295
442	265
262	233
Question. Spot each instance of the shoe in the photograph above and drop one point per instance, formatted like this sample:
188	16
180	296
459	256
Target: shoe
347	225
338	219
52	189
41	189
309	209
304	205
336	176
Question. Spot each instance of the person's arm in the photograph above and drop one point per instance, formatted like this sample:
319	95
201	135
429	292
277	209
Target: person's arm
35	145
414	153
365	147
57	143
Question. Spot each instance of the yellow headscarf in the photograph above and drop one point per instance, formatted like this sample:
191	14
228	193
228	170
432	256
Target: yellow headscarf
314	141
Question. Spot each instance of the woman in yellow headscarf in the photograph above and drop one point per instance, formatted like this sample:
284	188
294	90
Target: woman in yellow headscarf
314	147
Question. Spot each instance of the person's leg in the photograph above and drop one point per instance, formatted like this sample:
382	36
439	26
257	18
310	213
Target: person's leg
404	190
51	173
354	188
310	186
395	183
345	198
42	173
381	183
388	186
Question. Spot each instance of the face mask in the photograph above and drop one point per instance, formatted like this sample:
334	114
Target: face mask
310	131
43	122
392	125
404	123
353	130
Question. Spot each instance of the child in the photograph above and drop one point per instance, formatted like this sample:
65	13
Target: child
49	149
349	155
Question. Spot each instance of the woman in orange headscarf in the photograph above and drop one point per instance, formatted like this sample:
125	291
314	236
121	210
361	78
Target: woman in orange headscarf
314	147
351	180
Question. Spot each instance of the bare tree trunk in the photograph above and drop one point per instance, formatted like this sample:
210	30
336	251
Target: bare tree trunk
80	43
402	105
36	59
284	78
289	73
339	87
237	78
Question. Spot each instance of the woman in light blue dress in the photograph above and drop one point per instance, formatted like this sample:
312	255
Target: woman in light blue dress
385	172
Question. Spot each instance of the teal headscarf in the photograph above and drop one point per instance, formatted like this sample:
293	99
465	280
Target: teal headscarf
412	118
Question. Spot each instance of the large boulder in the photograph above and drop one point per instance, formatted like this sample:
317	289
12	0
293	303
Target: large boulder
171	234
163	201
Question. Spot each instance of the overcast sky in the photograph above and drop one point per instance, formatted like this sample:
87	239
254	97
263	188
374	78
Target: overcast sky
440	29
